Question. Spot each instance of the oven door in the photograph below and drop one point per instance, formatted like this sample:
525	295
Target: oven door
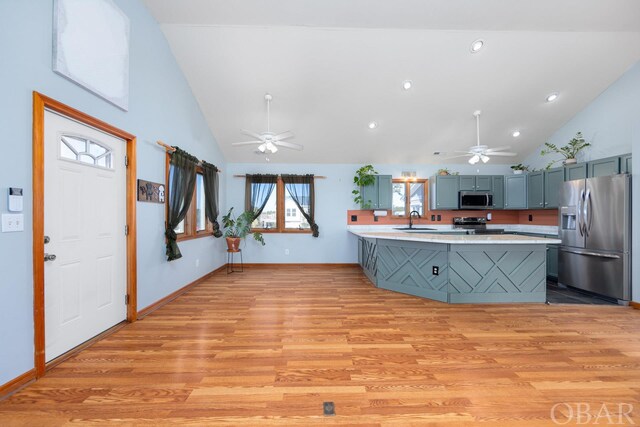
475	200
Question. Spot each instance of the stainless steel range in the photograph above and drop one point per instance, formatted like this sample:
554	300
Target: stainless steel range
474	225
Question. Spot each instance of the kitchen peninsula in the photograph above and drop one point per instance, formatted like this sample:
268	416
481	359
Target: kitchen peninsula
456	268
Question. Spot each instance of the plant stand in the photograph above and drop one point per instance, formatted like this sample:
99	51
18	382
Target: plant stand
231	266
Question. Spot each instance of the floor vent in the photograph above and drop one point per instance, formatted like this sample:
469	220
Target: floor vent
328	408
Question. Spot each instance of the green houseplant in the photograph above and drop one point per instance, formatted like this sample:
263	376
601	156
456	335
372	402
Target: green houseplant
519	168
569	151
444	171
236	229
364	177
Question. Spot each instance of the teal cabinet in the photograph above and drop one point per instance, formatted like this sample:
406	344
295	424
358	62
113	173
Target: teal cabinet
368	257
625	163
535	190
475	183
552	261
575	171
604	167
378	195
553	179
443	192
497	188
515	192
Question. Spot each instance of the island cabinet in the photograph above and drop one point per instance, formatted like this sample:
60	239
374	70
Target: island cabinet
475	182
552	254
603	167
378	195
625	164
367	257
497	188
553	179
443	192
575	171
535	190
515	192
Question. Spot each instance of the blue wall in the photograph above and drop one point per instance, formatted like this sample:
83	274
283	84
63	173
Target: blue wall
161	107
612	124
333	199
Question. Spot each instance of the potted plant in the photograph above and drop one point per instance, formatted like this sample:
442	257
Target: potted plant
569	151
238	228
519	168
444	171
364	176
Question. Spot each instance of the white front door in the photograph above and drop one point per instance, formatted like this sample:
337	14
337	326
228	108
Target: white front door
84	220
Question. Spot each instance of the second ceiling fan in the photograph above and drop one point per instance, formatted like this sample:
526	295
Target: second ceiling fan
268	142
482	152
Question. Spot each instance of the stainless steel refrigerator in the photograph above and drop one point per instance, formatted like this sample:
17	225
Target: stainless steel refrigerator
595	228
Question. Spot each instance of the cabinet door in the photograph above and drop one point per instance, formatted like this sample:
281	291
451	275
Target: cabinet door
625	163
497	188
467	182
576	171
447	188
535	190
553	179
604	167
515	194
483	183
552	261
385	191
369	196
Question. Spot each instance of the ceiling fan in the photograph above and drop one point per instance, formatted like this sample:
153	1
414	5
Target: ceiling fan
268	142
482	152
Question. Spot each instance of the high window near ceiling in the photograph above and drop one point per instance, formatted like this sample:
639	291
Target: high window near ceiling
408	196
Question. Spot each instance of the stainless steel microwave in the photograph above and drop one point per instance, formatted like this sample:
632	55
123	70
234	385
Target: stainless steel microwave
475	200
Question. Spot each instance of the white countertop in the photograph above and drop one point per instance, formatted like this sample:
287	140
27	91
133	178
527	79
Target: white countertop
520	228
463	239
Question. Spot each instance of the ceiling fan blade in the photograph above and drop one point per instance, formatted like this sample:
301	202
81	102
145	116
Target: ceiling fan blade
461	155
252	134
490	150
246	142
502	153
283	135
288	145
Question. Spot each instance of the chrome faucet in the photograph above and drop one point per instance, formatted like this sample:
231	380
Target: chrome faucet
411	217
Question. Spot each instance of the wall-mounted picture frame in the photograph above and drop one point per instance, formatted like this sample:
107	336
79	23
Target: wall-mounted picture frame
151	192
91	47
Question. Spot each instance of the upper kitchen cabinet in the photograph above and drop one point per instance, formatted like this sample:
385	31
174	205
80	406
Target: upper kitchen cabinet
604	167
575	171
443	192
625	163
515	194
553	179
497	188
475	183
378	195
535	190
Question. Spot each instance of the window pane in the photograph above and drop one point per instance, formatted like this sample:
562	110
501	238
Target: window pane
417	197
399	199
96	150
267	219
294	218
180	228
201	220
67	153
76	144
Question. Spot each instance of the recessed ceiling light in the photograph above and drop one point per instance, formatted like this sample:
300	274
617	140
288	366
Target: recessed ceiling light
406	85
476	45
373	125
552	97
516	133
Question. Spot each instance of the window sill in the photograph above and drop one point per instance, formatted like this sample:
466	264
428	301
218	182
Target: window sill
195	236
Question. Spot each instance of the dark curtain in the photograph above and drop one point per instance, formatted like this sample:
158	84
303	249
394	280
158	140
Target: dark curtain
182	183
211	196
257	192
303	195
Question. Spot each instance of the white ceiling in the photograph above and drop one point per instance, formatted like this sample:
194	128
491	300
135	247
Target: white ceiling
333	66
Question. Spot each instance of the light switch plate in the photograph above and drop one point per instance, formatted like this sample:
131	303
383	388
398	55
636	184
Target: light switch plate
12	223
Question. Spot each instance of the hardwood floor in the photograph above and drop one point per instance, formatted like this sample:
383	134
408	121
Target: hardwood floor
270	345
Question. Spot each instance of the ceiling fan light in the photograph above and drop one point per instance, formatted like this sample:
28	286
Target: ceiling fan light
406	85
484	158
552	97
262	147
476	46
373	125
274	149
516	133
474	159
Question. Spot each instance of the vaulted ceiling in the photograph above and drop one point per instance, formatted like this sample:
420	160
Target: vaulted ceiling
333	66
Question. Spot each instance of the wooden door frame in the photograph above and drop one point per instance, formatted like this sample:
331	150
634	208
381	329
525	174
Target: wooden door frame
40	104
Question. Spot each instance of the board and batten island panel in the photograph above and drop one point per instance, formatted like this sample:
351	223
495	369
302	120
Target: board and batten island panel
457	268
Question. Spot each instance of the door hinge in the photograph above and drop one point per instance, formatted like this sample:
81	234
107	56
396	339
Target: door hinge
126	299
126	230
126	160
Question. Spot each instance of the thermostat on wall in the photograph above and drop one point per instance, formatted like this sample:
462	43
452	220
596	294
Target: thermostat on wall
15	199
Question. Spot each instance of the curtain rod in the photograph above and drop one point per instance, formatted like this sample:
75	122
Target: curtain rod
171	150
315	176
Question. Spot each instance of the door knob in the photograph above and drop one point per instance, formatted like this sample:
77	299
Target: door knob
49	257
